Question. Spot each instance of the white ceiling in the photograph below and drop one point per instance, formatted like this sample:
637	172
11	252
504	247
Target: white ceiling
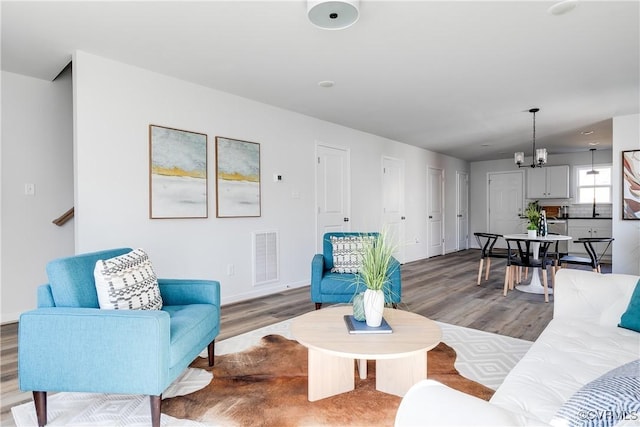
456	77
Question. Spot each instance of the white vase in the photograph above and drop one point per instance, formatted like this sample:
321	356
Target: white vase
531	233
373	307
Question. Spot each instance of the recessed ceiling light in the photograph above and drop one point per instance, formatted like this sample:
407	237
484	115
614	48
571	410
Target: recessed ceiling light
594	143
586	132
326	83
563	7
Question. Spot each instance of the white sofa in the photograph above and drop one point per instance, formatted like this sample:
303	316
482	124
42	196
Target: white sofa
580	344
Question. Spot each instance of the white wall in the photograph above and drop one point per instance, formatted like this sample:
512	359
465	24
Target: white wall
626	247
36	148
113	106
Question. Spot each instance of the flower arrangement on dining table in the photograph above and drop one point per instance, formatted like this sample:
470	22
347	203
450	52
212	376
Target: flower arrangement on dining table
533	213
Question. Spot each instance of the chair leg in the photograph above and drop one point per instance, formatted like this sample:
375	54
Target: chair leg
318	305
211	351
156	403
40	401
480	270
507	277
486	274
545	284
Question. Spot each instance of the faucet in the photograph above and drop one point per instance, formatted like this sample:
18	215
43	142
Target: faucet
593	213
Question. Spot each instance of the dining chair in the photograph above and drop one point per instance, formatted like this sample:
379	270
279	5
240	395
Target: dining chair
595	254
486	242
554	254
521	253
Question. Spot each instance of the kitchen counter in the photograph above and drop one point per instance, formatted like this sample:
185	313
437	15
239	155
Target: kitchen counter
573	217
587	217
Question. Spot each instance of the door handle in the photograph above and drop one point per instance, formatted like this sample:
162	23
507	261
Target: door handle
346	219
430	217
459	216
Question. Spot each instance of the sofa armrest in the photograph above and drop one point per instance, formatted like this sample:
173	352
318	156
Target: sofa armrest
185	291
597	298
94	350
45	296
430	403
317	271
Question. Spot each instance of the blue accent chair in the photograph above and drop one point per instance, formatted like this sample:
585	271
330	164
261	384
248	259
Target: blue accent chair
69	344
328	287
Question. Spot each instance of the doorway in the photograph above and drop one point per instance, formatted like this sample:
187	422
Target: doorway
462	209
333	197
435	212
393	218
505	202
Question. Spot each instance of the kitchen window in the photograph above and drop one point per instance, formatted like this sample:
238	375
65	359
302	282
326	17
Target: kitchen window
590	185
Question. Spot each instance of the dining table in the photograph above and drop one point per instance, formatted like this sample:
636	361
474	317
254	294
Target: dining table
535	286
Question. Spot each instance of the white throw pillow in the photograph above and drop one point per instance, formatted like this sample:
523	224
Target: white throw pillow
127	282
347	252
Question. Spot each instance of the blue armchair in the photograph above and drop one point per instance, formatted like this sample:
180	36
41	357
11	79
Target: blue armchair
69	344
328	287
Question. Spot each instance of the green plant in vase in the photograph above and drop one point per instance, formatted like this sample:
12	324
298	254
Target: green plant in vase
533	216
374	273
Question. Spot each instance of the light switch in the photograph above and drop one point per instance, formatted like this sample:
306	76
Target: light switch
29	189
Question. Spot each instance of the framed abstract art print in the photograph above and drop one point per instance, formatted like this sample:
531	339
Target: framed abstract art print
237	178
177	173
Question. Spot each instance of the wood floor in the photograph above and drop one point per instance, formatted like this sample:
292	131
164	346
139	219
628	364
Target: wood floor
441	288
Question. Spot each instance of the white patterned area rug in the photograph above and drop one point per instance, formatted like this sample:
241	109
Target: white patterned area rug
481	356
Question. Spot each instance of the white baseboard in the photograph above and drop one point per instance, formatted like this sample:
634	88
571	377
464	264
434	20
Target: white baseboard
264	291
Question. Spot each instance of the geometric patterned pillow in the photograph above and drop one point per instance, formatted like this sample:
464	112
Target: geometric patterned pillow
127	282
605	401
347	252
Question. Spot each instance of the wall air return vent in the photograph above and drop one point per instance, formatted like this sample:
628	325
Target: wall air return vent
265	257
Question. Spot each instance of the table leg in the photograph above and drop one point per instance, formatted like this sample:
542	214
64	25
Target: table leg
329	375
362	368
396	376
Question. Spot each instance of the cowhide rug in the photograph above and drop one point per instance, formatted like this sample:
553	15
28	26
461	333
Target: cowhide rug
266	385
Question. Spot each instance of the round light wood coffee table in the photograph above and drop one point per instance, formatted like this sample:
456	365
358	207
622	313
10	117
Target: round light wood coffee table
401	356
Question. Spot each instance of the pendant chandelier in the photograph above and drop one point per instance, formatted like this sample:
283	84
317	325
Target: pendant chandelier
539	155
592	171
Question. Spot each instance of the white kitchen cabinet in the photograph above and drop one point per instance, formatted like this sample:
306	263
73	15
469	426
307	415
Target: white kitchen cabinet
580	228
549	182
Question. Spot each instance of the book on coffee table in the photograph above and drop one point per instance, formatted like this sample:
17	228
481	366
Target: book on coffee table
357	327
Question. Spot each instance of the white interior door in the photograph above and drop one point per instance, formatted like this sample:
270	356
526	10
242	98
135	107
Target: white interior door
435	212
333	199
393	204
506	202
462	209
